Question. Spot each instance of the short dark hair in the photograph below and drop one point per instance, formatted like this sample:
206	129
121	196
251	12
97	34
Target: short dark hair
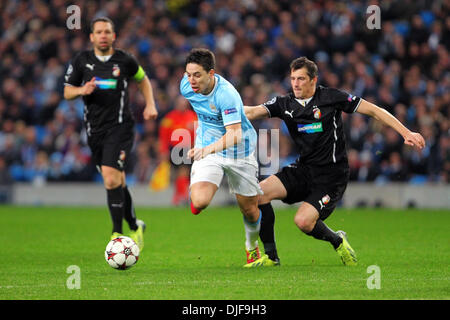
103	19
303	62
202	57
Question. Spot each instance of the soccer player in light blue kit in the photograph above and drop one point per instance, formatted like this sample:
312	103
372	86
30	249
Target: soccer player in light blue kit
225	144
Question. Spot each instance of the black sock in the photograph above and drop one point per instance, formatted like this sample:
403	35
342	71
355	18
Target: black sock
129	214
266	232
116	207
322	232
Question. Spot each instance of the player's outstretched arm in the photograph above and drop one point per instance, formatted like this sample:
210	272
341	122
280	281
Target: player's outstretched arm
150	111
411	138
72	92
232	136
256	112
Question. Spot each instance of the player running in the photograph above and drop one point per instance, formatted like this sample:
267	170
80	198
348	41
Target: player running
320	174
225	144
101	77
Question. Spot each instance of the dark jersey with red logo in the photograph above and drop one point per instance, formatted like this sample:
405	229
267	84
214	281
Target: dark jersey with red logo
316	128
108	105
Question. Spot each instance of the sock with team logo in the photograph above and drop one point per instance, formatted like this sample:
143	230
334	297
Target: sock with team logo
129	213
116	205
322	232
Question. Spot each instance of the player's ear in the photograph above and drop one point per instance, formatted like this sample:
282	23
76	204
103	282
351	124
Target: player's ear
211	72
91	37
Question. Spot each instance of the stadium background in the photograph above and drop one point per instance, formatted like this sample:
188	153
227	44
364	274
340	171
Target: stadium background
404	67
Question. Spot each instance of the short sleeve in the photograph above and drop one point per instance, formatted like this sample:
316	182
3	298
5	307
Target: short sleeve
230	107
132	66
274	106
345	101
74	73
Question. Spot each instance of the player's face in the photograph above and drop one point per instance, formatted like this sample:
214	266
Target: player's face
103	36
201	81
302	85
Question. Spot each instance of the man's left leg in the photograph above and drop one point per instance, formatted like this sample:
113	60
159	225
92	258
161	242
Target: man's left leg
252	224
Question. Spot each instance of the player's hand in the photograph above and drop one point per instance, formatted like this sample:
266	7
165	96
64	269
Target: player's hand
414	139
88	87
150	112
196	153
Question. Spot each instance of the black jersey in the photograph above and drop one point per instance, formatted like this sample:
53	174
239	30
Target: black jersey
316	128
108	104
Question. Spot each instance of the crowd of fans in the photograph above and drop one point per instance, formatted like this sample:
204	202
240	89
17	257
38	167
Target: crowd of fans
403	67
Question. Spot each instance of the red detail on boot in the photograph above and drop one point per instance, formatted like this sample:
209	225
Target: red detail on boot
195	211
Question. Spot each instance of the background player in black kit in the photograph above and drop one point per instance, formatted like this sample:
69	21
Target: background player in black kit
320	174
101	77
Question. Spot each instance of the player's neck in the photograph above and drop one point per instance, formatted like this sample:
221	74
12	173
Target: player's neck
210	87
101	53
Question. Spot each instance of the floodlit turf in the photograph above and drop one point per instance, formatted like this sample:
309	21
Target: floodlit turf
200	257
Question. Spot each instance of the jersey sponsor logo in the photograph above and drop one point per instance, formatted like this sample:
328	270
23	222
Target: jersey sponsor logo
229	111
310	128
105	84
217	120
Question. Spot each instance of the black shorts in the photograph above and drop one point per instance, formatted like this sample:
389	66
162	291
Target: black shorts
112	147
322	187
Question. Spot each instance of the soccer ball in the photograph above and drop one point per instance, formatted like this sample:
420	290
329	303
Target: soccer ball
122	253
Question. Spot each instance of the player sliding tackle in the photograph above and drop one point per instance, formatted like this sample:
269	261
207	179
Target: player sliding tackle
225	144
320	174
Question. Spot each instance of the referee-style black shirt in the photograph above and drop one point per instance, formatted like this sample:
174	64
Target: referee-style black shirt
316	128
108	105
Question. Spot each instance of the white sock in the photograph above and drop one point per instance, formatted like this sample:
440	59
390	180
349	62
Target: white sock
252	233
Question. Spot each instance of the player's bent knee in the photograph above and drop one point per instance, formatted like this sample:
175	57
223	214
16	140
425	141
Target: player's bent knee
199	202
303	223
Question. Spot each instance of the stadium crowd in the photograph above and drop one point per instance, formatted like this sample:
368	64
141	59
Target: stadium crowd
403	67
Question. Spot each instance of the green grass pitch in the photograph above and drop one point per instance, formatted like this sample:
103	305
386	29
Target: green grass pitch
189	257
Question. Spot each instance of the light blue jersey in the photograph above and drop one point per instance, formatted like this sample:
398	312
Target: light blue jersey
221	107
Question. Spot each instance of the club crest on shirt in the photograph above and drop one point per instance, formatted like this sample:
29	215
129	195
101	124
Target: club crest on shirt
213	107
116	70
317	113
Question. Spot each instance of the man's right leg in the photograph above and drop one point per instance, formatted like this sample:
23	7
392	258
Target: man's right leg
112	180
202	193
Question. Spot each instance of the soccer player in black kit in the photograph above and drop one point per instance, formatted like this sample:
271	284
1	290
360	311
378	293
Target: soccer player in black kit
320	174
101	76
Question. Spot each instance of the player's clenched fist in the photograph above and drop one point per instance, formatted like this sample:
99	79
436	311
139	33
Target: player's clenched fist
88	87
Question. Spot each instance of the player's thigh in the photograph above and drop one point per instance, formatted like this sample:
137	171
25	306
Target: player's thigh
206	176
202	193
242	175
273	189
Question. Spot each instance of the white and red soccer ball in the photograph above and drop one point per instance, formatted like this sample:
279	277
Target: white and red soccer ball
122	253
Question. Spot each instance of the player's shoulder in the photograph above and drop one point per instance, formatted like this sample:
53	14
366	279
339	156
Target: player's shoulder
82	56
328	95
224	88
279	100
